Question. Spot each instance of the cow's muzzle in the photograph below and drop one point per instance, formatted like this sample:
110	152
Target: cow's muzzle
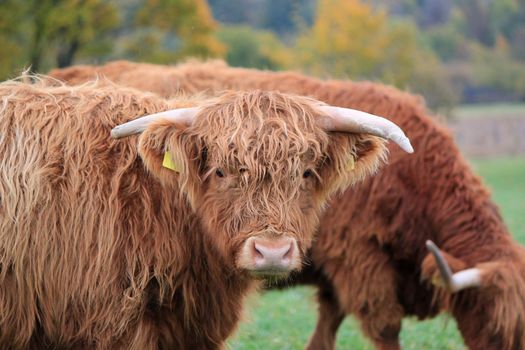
270	255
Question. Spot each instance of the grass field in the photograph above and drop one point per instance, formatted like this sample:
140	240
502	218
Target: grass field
285	319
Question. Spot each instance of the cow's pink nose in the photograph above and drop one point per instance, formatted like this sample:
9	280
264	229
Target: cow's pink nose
273	254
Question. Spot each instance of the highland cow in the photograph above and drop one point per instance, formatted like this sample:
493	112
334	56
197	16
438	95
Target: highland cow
153	242
370	258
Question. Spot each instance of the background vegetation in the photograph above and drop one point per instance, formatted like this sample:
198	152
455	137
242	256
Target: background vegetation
448	50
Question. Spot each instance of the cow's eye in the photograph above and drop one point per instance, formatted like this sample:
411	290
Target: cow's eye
219	173
307	173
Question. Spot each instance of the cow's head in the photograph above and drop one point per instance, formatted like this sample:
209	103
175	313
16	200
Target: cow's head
257	168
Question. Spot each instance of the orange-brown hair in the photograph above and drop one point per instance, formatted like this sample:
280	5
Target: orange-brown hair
263	143
371	246
99	245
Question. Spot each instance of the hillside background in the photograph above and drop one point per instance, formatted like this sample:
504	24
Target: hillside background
450	51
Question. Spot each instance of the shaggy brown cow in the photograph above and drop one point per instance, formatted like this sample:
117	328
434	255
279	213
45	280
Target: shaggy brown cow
370	256
103	247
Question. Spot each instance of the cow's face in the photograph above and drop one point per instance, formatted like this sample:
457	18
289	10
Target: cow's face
257	171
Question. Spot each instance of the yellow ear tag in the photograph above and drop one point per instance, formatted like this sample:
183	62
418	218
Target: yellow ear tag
168	163
351	164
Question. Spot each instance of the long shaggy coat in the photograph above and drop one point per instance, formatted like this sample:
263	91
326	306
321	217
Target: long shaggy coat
101	247
94	252
370	258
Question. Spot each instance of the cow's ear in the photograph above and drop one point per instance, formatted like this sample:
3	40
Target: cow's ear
351	158
174	154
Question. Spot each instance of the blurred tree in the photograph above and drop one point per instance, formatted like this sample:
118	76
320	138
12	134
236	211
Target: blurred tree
502	16
350	39
434	12
495	68
508	20
77	24
486	20
280	16
432	80
190	21
67	26
35	29
233	11
11	37
446	43
517	41
248	47
398	8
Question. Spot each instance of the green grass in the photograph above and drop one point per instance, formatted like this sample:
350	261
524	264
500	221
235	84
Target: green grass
489	110
285	319
506	178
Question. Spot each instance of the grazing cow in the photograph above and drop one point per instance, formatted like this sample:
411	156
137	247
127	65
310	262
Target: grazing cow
371	256
153	242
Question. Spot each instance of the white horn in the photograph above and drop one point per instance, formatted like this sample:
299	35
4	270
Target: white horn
351	120
460	280
180	115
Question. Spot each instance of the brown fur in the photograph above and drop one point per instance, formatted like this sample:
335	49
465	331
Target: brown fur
101	247
376	234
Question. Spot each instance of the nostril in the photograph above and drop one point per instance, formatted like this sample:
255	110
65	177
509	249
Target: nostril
258	254
289	253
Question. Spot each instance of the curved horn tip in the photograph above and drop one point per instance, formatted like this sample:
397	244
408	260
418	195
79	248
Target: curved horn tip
405	145
442	265
469	278
458	281
116	133
431	245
